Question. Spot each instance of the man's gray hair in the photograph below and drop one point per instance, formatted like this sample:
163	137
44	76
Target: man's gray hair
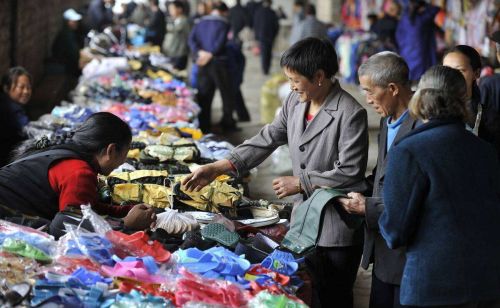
386	67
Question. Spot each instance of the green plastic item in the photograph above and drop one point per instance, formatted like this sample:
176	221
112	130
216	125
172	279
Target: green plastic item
24	249
218	232
266	299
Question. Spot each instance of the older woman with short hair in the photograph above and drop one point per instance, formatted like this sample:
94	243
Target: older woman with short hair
442	201
326	131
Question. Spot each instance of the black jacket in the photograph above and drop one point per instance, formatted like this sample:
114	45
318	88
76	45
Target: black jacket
265	24
388	263
24	184
489	127
12	119
156	30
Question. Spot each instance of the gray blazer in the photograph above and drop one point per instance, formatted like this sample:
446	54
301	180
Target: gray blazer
331	151
389	263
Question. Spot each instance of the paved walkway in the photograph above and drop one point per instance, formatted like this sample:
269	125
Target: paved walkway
262	187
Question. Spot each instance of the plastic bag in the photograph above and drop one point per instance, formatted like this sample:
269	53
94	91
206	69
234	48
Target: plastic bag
25	241
193	288
174	222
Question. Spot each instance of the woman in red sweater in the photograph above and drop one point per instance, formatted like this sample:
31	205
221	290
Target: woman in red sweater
49	176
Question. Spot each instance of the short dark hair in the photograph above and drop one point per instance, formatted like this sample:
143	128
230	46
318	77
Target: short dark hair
299	3
309	55
220	6
178	4
154	2
310	10
10	78
470	53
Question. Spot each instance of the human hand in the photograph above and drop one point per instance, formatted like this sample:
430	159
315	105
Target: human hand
286	186
205	174
140	217
203	57
355	204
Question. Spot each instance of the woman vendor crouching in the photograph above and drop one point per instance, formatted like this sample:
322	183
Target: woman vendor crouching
48	177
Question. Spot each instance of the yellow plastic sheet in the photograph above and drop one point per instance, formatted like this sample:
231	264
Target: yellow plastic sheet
152	194
213	196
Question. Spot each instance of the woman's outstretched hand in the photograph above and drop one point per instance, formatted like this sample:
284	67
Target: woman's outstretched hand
204	175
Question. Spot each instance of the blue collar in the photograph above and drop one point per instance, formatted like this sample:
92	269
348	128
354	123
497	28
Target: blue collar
398	121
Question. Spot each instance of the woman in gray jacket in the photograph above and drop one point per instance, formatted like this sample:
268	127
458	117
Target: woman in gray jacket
326	131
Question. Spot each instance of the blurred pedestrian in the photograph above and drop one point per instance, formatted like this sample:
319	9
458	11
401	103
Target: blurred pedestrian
266	27
175	45
156	25
385	27
238	18
297	18
207	42
311	26
415	36
100	14
66	46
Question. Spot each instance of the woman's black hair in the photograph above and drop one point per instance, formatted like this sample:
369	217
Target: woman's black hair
11	76
90	138
471	54
309	55
414	7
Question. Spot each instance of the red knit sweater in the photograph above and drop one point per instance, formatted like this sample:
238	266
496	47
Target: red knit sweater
76	183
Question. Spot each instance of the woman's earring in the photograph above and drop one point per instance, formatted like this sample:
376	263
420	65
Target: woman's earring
319	84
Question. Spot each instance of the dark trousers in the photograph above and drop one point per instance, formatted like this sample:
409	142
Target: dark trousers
239	105
266	52
214	76
384	295
179	63
333	271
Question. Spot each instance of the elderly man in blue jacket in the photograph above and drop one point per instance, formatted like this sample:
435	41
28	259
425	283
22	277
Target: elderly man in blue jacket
207	42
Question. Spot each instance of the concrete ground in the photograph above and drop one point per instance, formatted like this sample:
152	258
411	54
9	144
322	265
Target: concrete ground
260	186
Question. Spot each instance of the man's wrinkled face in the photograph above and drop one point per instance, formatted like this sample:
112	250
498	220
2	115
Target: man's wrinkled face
379	98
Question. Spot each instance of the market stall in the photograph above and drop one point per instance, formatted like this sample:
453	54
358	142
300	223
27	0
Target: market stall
215	247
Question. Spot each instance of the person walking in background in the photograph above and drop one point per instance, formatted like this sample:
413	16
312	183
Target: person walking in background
442	197
297	18
311	26
384	78
237	61
252	7
66	46
238	18
15	94
415	36
207	42
156	26
100	14
266	27
385	27
175	45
